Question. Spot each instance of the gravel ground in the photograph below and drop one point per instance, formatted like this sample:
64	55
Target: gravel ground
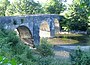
64	51
61	52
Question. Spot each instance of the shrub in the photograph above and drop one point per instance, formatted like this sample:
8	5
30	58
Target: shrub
6	61
44	48
79	57
50	60
60	61
12	47
15	52
45	60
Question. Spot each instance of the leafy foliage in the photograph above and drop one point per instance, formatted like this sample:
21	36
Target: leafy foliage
77	16
25	7
79	57
3	6
12	47
54	7
45	49
14	51
6	61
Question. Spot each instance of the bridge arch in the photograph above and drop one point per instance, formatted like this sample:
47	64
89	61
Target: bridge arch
44	29
57	26
25	35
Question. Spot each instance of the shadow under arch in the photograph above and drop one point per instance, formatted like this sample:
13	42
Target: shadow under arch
25	35
44	29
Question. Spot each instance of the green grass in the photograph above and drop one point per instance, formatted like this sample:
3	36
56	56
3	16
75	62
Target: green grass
62	41
70	39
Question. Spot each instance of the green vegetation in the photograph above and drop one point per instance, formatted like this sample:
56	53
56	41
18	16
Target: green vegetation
88	31
77	17
14	51
45	49
71	39
3	7
79	57
6	61
27	7
54	7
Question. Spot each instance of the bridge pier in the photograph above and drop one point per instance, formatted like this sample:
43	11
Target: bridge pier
36	32
52	28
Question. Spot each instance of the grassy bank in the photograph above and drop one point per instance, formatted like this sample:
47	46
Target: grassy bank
71	39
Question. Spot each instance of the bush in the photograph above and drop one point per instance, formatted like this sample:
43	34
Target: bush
6	61
15	52
81	26
60	61
44	48
45	60
12	47
88	31
79	57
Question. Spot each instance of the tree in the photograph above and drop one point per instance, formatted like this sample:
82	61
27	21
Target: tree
24	7
3	6
54	7
78	15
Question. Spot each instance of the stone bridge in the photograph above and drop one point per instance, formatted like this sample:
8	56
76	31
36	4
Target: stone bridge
29	24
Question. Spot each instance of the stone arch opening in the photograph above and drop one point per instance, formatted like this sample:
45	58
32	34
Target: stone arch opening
57	26
44	30
25	35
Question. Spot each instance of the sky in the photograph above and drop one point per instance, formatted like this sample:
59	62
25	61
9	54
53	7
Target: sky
42	1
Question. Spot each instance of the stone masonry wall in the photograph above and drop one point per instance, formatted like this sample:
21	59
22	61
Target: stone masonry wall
30	21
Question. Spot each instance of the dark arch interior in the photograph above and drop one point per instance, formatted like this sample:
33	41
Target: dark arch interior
25	35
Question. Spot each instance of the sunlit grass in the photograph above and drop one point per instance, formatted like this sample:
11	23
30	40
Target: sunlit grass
62	41
68	35
70	39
